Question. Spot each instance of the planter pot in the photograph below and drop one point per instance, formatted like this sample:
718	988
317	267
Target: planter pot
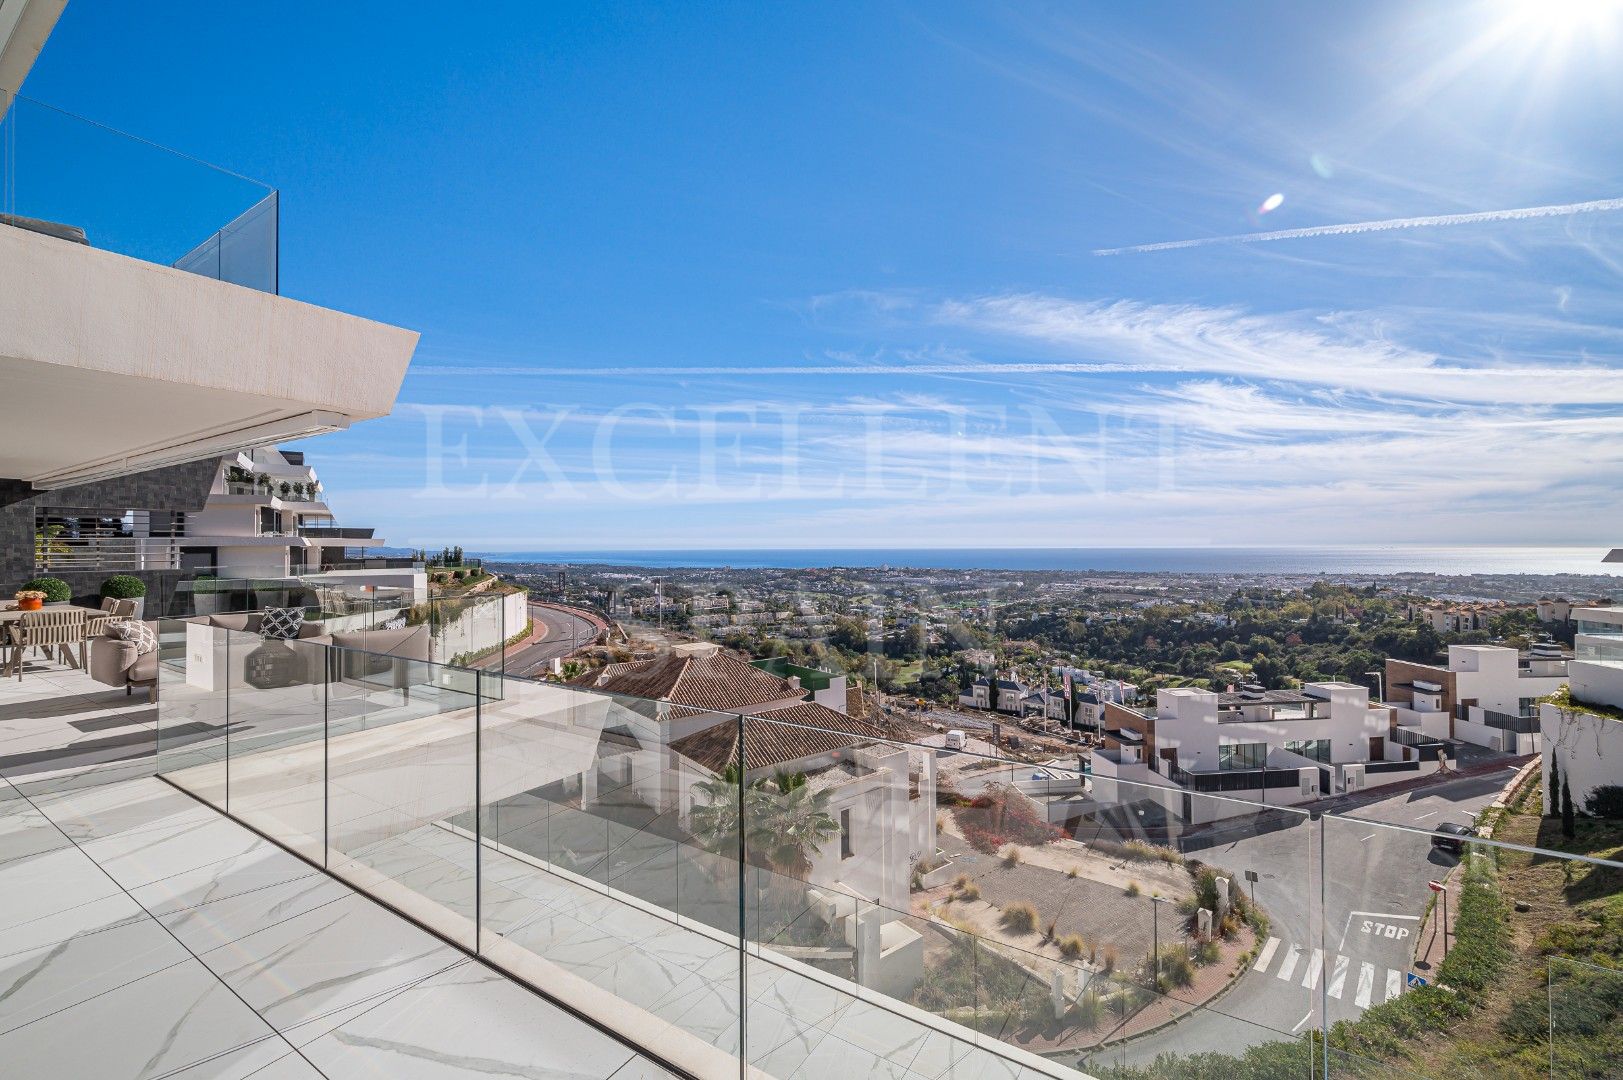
30	605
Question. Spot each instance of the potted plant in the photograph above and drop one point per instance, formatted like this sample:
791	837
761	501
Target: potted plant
55	589
126	587
30	599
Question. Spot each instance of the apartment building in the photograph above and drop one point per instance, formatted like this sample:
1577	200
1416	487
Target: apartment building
145	345
1283	746
268	515
1487	695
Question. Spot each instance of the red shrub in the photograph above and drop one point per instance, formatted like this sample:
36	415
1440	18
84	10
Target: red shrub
1000	817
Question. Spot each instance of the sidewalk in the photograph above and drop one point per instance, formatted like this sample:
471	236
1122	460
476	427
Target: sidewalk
1430	941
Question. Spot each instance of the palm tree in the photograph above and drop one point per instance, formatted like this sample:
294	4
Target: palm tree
782	830
790	828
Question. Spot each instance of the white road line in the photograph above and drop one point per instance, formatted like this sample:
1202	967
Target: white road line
1368	838
1338	978
1302	1021
1266	957
1366	984
1288	966
1423	817
1310	977
1394	984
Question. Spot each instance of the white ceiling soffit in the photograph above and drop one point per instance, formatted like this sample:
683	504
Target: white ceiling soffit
24	26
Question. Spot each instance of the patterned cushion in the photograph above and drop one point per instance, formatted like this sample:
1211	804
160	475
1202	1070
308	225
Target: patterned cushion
136	633
281	623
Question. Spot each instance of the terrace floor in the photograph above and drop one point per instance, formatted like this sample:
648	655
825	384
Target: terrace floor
144	935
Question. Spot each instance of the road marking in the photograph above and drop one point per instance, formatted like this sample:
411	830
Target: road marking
1288	967
1266	957
1384	916
1366	984
1310	977
1338	978
1302	1021
1394	984
1423	817
1368	838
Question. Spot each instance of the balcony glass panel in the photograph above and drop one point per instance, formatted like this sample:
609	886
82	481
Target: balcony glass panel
610	864
81	182
401	770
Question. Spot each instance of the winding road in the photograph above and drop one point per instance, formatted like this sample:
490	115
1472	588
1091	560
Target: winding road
564	633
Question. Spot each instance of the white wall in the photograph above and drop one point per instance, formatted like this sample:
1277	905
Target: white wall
1589	749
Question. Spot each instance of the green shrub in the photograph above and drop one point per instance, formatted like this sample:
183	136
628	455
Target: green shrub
1020	918
1071	946
1605	801
1176	967
55	589
123	587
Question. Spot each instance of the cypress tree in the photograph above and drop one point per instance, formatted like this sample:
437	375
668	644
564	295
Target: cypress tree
1555	786
1569	823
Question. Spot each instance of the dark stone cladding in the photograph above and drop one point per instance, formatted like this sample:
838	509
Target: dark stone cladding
177	487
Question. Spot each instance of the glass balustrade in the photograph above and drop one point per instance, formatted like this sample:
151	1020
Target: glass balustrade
744	895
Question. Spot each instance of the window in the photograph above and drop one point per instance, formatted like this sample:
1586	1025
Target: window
1316	749
1241	755
845	834
1529	706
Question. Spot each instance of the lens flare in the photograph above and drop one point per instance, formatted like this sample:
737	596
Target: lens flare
1322	166
1272	202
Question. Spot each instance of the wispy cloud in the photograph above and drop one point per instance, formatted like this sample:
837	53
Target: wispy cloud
1525	213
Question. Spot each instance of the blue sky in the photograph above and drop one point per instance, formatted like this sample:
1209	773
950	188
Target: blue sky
827	275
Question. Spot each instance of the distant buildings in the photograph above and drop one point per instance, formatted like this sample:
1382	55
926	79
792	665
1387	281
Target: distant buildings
1278	746
1485	694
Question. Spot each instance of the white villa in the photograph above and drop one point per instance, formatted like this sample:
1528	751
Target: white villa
1279	746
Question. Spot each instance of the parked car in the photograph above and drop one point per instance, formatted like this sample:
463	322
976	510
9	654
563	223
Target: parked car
1451	837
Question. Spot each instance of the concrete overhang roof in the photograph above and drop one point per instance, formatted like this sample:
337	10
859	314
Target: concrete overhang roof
24	26
111	365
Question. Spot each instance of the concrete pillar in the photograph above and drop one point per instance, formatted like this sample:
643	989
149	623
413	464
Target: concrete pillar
1203	924
865	925
1222	911
1056	993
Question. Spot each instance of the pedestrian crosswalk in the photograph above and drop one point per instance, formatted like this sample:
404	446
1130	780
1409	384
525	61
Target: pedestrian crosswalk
1345	978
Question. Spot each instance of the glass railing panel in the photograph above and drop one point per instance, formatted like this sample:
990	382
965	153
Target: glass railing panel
1504	938
609	864
165	208
277	755
193	707
401	774
1011	913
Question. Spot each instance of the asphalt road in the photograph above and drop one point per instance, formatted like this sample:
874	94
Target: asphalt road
1373	904
565	633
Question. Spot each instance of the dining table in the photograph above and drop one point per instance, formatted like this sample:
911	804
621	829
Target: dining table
11	616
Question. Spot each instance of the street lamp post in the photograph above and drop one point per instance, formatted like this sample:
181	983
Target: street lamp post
1155	909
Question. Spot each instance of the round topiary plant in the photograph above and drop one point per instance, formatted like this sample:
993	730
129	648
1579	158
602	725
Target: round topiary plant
123	587
55	589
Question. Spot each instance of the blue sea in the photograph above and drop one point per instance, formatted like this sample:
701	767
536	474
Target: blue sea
1355	560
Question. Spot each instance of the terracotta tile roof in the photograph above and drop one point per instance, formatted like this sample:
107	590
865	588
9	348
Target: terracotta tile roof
719	682
770	739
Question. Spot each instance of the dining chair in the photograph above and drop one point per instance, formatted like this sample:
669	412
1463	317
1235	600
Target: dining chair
113	611
45	630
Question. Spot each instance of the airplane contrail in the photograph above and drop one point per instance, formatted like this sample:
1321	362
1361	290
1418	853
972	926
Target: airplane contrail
1597	206
805	369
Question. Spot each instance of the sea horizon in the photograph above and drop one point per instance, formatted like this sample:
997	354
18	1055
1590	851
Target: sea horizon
1371	559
